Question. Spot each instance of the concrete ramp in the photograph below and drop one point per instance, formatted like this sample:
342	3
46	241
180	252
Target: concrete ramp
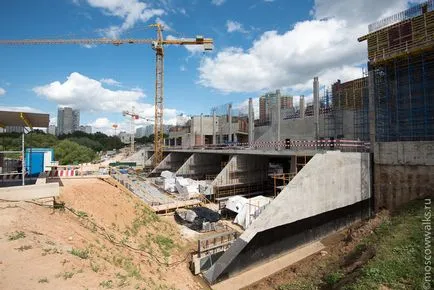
29	192
331	191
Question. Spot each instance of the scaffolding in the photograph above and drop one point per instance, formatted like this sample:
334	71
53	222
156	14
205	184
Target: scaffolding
406	33
401	63
404	98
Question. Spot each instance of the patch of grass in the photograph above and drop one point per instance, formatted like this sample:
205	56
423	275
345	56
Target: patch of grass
82	214
16	236
47	251
24	248
43	280
95	267
333	278
122	280
145	217
83	254
65	275
165	244
106	284
399	261
37	233
299	285
131	269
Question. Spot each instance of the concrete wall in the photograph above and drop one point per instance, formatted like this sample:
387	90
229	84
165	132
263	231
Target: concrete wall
332	190
171	162
304	128
403	171
199	165
243	169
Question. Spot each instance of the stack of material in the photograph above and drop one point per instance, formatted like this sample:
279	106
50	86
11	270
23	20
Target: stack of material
169	181
248	209
187	188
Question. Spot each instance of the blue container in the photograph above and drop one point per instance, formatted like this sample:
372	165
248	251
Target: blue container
36	160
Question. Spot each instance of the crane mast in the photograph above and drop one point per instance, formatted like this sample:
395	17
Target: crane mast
158	46
159	97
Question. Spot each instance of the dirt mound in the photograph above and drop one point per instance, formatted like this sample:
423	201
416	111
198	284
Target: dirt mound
104	238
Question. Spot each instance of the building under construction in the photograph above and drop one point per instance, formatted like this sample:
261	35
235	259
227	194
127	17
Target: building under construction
401	94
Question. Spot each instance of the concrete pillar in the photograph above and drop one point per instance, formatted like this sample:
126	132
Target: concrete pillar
302	107
293	164
230	122
214	129
278	105
316	105
251	122
371	114
201	130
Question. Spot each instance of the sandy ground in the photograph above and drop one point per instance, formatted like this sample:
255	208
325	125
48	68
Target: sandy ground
111	242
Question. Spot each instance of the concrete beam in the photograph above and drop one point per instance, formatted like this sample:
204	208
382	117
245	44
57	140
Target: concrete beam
29	192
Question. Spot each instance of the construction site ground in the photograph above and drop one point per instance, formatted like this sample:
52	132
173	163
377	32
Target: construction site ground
317	271
104	238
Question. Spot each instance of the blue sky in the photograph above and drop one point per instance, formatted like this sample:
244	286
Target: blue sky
260	45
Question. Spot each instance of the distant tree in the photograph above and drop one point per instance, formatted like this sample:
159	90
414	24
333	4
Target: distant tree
40	140
85	141
68	152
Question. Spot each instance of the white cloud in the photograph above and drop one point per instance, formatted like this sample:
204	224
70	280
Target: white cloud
325	46
182	68
82	92
111	82
2	91
218	2
130	11
234	26
87	94
88	45
166	26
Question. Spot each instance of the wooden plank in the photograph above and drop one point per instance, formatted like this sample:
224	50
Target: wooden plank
29	192
175	205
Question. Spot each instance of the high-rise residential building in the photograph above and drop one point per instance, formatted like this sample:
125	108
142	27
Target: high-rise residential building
266	104
68	120
140	132
86	129
149	130
51	129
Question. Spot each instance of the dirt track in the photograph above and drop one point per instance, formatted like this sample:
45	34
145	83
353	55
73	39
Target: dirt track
110	241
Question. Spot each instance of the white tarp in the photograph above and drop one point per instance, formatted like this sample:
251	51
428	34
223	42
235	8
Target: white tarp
250	210
187	188
167	174
236	203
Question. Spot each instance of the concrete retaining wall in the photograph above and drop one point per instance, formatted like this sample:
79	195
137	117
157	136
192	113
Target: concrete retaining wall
199	165
403	171
332	190
171	162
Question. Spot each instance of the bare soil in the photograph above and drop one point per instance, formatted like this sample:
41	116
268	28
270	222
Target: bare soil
105	238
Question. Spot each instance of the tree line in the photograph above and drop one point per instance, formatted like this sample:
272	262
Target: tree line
77	147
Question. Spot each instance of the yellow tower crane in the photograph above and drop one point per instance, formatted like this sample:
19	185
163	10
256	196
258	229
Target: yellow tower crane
158	45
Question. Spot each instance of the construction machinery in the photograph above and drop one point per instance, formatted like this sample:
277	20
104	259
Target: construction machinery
157	45
134	117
